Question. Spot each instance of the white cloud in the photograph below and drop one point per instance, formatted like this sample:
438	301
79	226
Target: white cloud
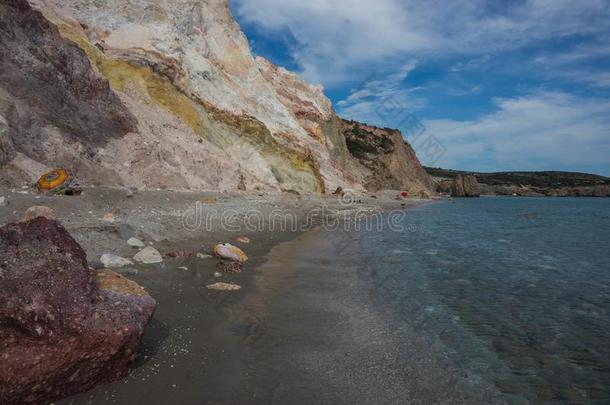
335	37
342	40
546	130
382	101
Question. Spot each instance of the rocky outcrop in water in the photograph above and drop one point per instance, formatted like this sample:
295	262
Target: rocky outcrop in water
465	185
162	94
63	327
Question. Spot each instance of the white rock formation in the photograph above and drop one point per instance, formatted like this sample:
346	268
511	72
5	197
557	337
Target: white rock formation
200	48
188	107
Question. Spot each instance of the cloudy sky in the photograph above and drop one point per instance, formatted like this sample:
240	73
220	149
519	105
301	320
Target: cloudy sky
473	84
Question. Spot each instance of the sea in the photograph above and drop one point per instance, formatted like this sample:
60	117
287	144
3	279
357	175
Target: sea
515	292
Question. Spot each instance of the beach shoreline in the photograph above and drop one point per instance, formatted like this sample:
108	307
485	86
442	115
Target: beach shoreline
196	334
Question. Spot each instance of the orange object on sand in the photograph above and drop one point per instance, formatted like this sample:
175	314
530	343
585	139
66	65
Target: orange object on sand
58	181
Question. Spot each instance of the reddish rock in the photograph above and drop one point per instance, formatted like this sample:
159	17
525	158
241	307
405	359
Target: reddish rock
63	328
181	253
229	266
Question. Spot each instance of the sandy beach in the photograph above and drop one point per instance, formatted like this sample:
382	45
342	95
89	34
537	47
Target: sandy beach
196	347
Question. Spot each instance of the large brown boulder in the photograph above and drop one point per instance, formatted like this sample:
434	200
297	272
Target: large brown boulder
63	327
465	185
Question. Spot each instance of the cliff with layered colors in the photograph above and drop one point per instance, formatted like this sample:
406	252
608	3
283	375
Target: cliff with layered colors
166	94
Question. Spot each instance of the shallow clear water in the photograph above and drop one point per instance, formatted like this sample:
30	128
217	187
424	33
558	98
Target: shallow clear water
515	291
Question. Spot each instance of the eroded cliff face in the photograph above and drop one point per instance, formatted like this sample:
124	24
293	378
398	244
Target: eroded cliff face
47	88
163	94
389	161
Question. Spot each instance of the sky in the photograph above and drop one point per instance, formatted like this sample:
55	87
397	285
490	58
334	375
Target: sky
475	85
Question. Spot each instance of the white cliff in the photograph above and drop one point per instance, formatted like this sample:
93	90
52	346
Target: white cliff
207	114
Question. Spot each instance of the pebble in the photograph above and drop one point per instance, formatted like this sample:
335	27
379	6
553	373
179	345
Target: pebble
39	211
96	265
135	243
148	255
108	217
229	266
223	287
128	272
184	268
243	239
203	256
3	201
230	252
217	274
113	261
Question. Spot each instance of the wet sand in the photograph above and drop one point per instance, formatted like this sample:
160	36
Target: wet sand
318	338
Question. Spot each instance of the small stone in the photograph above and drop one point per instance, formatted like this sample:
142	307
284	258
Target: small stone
217	274
108	217
127	272
135	243
243	239
39	211
223	287
230	252
3	202
148	255
229	266
113	261
96	265
181	253
183	268
204	256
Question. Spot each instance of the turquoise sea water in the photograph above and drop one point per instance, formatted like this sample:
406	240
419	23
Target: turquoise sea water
514	291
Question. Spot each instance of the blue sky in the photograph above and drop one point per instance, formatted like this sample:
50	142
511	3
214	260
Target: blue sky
491	85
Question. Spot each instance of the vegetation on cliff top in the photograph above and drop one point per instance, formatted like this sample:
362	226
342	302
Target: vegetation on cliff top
361	141
551	179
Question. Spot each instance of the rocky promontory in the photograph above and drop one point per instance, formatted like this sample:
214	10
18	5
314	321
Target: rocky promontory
524	184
